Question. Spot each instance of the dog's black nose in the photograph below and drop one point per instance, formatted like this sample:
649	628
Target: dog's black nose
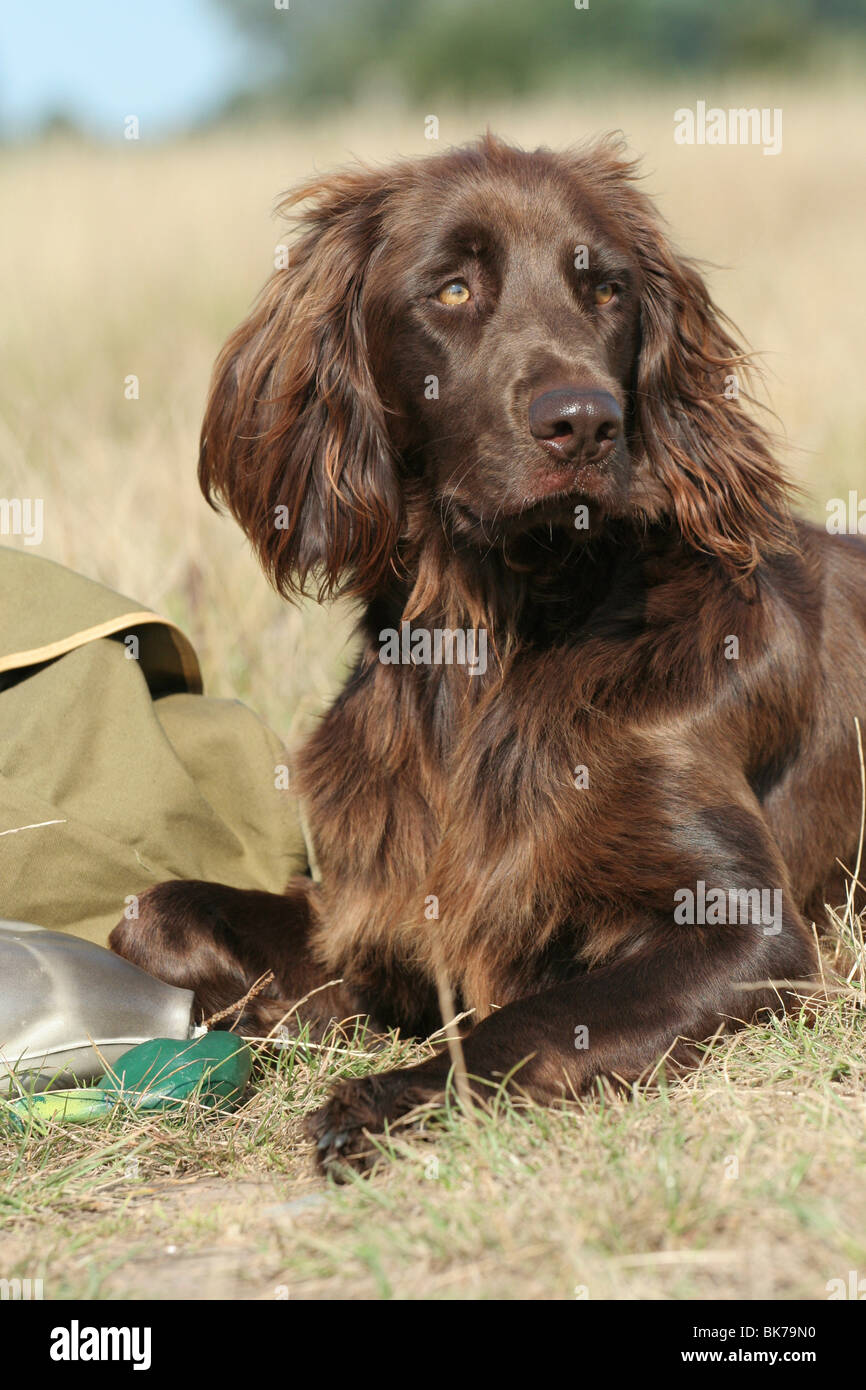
579	425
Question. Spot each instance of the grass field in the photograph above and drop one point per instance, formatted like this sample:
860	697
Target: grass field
746	1181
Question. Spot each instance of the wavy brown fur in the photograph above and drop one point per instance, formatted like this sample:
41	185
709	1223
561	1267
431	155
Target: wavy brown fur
448	822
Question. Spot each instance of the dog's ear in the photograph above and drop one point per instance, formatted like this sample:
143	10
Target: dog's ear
691	415
294	439
691	397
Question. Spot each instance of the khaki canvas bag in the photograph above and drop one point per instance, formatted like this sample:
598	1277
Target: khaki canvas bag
116	771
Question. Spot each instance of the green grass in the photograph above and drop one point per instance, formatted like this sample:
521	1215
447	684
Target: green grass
745	1180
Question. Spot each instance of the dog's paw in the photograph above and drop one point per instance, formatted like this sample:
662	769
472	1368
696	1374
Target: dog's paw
358	1112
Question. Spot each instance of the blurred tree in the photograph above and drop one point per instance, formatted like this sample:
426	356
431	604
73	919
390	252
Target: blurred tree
324	51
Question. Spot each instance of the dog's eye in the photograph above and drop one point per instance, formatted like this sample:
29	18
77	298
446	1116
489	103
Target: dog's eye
604	292
455	292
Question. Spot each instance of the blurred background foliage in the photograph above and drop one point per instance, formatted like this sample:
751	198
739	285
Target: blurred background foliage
321	53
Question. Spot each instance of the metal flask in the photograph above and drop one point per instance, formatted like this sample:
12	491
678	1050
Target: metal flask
69	1008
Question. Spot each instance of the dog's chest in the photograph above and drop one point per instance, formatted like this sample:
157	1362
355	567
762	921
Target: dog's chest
443	816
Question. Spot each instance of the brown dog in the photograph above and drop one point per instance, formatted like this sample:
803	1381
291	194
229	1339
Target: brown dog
488	399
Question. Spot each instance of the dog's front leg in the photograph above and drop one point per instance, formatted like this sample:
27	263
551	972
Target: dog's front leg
618	1021
220	941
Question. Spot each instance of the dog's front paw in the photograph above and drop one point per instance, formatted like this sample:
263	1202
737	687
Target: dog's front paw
345	1129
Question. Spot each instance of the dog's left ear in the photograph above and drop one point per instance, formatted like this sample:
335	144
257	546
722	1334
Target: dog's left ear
690	420
294	438
714	459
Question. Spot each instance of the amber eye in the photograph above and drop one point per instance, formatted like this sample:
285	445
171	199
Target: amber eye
604	292
455	292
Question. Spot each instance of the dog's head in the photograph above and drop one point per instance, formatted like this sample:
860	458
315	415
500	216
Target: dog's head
497	338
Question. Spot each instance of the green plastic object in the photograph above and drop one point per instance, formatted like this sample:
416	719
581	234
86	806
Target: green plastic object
160	1074
70	1107
156	1075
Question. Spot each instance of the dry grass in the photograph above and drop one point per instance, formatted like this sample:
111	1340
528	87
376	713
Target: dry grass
138	260
746	1181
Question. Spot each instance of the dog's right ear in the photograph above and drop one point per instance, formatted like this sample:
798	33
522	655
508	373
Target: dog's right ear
294	438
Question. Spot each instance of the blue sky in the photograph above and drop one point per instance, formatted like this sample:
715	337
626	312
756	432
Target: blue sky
165	61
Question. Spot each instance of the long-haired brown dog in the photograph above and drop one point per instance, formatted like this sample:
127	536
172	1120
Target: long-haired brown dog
490	400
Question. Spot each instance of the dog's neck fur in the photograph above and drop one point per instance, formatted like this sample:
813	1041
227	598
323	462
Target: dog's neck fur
531	588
